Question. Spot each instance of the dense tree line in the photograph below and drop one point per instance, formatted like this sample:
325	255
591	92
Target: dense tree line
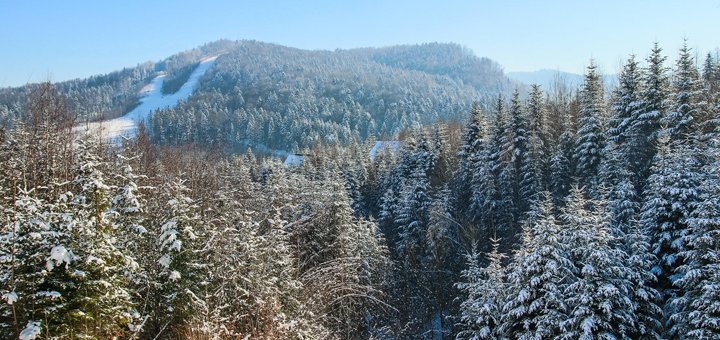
110	95
284	98
139	242
559	214
262	94
618	239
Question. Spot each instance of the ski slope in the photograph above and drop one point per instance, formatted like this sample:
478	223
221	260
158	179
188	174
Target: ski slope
151	99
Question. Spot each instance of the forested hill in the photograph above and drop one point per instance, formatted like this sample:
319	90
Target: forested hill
261	93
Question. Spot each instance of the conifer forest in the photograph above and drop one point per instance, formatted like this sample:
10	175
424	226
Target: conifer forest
406	192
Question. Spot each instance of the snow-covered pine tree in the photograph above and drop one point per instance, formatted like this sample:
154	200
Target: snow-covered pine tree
670	197
127	205
475	132
485	289
708	122
471	151
539	136
590	139
179	247
413	216
484	193
534	307
686	97
645	127
647	323
623	140
500	158
526	170
623	205
411	247
33	293
101	305
626	102
697	309
598	298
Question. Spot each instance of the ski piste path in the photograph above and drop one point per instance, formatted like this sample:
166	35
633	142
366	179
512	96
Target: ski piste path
151	99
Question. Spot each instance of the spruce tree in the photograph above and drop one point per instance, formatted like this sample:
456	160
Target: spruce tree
500	158
626	103
590	140
484	287
36	262
598	298
646	299
671	195
179	247
697	309
539	138
686	97
645	128
102	305
624	142
534	307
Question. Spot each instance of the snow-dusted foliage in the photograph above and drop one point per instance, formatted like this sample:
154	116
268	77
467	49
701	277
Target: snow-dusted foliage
535	305
611	217
697	308
671	197
590	133
484	288
598	296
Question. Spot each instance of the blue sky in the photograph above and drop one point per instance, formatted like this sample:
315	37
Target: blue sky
59	40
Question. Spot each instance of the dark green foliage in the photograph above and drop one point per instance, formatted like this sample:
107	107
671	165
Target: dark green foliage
175	80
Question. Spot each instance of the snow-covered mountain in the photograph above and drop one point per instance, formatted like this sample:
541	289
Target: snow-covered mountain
285	98
151	99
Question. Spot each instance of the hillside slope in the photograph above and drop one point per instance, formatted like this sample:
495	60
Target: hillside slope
288	98
151	99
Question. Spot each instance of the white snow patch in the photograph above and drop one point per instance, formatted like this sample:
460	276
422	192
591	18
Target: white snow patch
94	260
10	298
174	275
151	99
58	256
31	331
51	294
164	261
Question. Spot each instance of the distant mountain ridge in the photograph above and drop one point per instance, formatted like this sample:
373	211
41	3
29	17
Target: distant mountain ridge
284	97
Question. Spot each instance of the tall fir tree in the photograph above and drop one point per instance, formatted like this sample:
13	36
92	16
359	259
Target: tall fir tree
671	195
686	97
500	156
625	143
697	309
179	246
539	136
534	307
645	128
590	135
598	298
484	287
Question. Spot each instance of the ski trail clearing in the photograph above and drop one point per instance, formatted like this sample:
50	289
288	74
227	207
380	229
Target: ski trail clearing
151	99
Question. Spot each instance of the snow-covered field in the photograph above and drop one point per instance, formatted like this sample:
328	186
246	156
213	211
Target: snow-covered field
151	99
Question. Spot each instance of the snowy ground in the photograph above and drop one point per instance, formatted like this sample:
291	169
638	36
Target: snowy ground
151	99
